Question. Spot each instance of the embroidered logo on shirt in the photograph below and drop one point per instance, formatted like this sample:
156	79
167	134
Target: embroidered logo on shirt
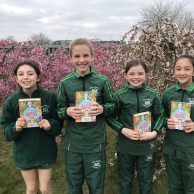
95	89
45	109
149	157
191	100
147	102
96	164
152	145
191	166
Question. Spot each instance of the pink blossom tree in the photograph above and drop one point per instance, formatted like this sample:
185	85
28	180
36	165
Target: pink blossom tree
54	66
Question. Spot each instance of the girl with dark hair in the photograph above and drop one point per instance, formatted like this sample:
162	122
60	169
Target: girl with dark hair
136	150
179	144
35	149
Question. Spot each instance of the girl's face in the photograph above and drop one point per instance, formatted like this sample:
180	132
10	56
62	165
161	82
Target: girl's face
136	76
82	59
183	72
27	78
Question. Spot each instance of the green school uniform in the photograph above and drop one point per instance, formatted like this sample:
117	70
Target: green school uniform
130	101
178	145
33	147
85	141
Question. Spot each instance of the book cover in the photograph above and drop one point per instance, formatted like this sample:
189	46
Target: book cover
30	109
84	100
142	122
180	112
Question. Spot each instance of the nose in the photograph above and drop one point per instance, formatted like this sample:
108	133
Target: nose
182	72
135	75
81	59
25	76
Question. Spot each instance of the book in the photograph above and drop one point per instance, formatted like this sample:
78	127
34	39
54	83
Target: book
30	109
180	112
84	100
142	122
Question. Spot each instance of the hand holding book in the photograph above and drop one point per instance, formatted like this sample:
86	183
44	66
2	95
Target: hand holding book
20	124
189	126
96	109
130	134
74	112
171	124
148	135
45	124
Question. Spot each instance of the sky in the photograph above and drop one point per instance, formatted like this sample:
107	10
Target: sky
70	19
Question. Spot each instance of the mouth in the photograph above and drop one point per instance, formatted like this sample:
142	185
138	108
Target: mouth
25	83
81	65
136	82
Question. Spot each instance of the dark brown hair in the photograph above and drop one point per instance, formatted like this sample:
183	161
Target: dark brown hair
186	56
135	62
31	63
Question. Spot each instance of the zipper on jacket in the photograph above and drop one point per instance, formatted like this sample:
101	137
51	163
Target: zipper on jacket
83	80
68	148
182	97
137	101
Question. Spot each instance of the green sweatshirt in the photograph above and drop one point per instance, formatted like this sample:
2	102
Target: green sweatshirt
85	137
177	141
130	101
32	146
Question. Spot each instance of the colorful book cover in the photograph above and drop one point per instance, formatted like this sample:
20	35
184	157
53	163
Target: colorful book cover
180	112
84	100
30	109
142	122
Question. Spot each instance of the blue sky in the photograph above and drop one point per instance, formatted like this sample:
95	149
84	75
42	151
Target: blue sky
69	19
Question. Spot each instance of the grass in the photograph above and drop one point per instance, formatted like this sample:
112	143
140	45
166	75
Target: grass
11	181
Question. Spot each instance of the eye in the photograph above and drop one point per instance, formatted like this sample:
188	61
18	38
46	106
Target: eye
76	56
20	74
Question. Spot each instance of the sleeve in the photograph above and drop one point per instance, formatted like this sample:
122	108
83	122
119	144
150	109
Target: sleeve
55	121
108	102
158	114
8	121
62	102
112	121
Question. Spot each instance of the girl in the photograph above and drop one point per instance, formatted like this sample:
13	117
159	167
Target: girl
84	142
35	150
136	150
179	144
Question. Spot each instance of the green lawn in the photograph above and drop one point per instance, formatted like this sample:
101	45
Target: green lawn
11	181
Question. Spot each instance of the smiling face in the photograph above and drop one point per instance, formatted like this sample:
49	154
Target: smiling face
136	76
82	59
183	72
27	78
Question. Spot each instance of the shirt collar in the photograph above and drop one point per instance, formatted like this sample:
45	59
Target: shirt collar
78	76
189	89
129	86
34	93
